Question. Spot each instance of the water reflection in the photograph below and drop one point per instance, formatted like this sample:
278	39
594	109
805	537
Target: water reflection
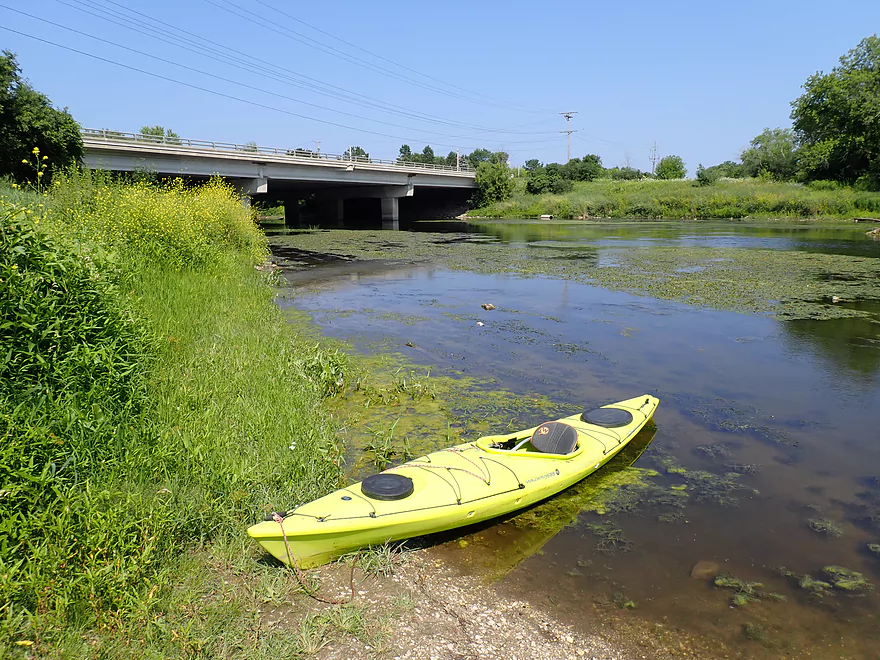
847	347
844	240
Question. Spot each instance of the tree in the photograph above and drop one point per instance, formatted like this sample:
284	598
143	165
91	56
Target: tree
532	165
478	156
587	168
356	153
28	121
837	119
162	134
427	155
494	183
626	173
499	157
550	178
451	159
405	154
670	167
773	153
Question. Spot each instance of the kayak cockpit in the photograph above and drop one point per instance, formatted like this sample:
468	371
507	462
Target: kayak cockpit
549	440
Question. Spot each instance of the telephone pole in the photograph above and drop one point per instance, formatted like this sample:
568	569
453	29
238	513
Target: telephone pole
654	158
568	116
317	145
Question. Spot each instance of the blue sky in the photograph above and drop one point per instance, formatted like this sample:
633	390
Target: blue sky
699	78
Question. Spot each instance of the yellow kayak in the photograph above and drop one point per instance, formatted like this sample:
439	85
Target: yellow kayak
456	486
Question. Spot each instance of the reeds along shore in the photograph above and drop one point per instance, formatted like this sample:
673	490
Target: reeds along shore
682	199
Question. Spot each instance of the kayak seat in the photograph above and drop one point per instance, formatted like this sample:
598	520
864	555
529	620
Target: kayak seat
555	438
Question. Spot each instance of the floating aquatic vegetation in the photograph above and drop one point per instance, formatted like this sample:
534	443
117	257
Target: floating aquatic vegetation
711	488
610	491
847	579
824	526
875	548
754	632
728	416
715	450
671	517
835	577
611	538
624	603
742	468
789	284
744	592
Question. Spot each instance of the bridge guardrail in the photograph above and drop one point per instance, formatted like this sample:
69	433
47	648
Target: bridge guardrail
231	147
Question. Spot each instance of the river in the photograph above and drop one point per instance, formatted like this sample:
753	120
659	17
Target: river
766	455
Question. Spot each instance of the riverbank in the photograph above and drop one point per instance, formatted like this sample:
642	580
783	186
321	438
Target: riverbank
731	199
172	406
152	403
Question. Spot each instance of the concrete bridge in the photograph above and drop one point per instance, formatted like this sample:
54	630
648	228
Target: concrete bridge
284	174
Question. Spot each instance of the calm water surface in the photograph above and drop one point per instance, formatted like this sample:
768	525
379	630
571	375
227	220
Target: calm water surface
800	400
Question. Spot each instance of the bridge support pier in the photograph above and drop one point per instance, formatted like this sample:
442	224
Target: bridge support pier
390	213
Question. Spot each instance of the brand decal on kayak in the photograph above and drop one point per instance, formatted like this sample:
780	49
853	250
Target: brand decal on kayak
543	476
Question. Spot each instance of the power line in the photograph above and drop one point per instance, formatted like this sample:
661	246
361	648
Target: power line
220	55
385	59
335	52
229	80
211	91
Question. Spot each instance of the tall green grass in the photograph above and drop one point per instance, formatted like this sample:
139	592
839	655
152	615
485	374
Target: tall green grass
675	200
151	398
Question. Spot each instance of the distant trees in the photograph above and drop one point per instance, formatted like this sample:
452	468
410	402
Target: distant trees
626	173
478	156
162	134
773	153
28	120
709	175
356	153
587	168
670	167
837	119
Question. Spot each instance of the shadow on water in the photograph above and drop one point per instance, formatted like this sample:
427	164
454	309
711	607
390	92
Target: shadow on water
495	548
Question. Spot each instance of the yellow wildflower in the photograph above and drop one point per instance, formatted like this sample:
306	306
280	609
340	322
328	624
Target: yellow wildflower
36	151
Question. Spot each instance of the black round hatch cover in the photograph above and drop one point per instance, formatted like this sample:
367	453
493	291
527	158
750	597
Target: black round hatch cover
608	417
387	486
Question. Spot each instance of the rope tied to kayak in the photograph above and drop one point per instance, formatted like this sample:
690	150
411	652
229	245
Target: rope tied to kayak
301	577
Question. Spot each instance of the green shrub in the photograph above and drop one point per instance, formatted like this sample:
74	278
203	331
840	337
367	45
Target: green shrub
151	396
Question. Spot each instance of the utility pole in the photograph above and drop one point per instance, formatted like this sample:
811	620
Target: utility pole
457	159
654	157
317	145
568	116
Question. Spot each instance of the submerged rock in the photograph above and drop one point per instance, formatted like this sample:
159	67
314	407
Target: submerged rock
705	569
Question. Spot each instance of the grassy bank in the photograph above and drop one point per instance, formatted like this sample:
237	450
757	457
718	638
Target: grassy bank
674	200
152	400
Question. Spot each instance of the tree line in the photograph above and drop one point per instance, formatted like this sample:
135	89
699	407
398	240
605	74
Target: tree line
834	138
